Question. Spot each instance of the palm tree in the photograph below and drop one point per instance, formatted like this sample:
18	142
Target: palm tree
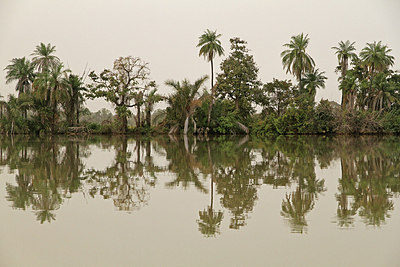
344	52
312	81
22	71
350	85
295	59
150	100
375	57
185	99
13	109
209	47
74	98
43	58
384	92
58	83
52	87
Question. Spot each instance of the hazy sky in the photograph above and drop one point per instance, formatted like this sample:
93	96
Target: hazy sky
165	33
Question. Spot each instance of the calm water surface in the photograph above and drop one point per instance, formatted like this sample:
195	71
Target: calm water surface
115	201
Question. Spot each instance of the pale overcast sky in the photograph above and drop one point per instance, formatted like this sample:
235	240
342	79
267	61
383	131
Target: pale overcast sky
165	33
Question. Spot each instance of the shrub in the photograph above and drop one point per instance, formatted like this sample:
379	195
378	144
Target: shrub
391	121
295	120
94	127
266	126
325	119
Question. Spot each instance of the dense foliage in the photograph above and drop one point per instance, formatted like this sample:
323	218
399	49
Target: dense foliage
51	98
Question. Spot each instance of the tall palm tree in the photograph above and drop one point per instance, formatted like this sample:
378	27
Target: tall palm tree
209	47
375	57
295	59
312	81
22	71
58	84
344	52
43	58
185	99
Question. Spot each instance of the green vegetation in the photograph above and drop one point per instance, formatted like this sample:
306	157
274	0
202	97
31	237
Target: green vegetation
209	47
51	98
128	81
232	170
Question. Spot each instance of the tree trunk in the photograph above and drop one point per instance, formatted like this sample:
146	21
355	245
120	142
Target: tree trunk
53	123
75	108
148	117
351	101
138	124
342	103
77	115
148	150
186	143
212	93
186	127
124	124
210	162
173	129
194	125
243	127
374	103
138	145
71	114
345	95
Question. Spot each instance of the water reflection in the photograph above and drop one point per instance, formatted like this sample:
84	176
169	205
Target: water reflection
230	170
47	173
127	182
370	178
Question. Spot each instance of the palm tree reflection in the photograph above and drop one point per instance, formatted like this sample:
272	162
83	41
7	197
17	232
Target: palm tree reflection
48	171
370	176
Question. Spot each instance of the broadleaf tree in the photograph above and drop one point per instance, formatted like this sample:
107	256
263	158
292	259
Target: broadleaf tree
239	78
122	86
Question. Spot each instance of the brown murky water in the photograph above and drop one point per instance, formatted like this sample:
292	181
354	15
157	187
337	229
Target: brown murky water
114	201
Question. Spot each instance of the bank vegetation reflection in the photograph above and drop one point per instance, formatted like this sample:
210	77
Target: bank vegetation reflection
230	170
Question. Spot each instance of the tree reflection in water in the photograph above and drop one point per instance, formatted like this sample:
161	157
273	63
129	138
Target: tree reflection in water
210	220
47	171
128	180
370	177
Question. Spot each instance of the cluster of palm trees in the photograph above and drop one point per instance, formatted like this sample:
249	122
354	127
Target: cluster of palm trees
298	62
369	84
44	86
